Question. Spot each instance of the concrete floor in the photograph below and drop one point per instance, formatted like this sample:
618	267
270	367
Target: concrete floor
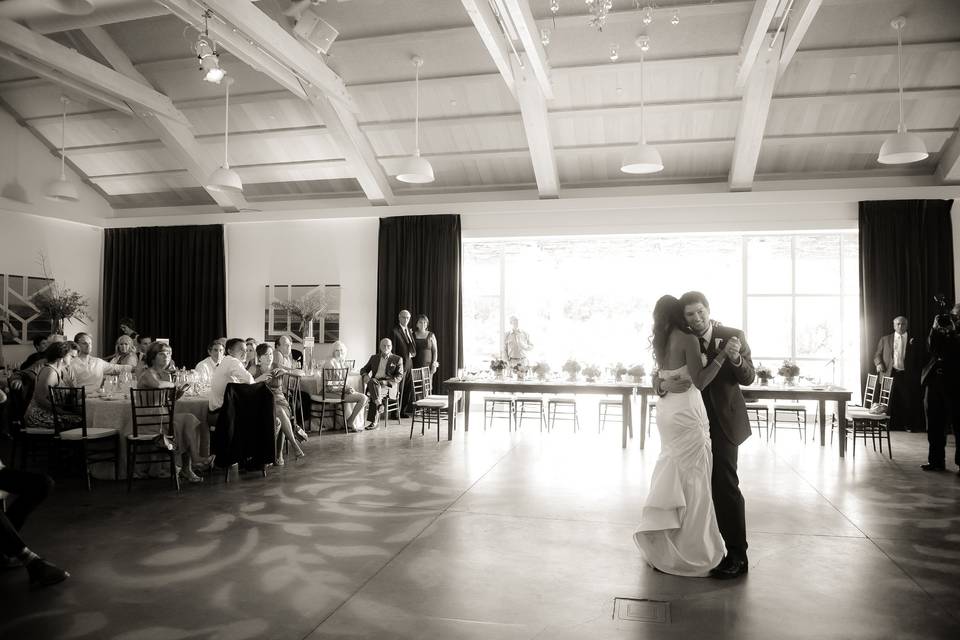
491	536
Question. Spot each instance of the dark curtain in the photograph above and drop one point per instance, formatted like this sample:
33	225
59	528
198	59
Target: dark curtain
906	258
419	270
171	281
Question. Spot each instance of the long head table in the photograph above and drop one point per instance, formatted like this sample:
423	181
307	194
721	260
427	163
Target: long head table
643	391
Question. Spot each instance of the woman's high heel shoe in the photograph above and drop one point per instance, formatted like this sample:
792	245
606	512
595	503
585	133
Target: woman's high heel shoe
301	434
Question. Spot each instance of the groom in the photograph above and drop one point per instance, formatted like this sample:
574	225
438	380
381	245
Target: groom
729	426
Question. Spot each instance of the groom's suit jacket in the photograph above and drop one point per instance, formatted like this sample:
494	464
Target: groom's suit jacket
724	401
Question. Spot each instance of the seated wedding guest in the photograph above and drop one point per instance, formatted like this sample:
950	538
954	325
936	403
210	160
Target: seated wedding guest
28	491
124	352
41	345
143	343
206	367
264	371
250	356
283	355
128	327
87	370
231	369
383	371
188	433
58	357
351	395
426	345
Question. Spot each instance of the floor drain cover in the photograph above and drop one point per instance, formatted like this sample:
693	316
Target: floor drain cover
641	610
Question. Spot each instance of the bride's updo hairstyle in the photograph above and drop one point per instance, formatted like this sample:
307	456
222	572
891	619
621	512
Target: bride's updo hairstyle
667	316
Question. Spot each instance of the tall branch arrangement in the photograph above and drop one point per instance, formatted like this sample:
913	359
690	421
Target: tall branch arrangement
306	309
59	303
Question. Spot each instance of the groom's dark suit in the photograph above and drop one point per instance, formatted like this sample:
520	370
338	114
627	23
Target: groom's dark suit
729	427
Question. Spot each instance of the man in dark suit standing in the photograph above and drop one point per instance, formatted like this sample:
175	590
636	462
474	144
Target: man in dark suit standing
897	357
383	372
729	427
404	346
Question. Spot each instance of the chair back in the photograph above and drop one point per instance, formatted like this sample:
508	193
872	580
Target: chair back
350	364
152	409
69	408
886	388
291	390
869	390
334	382
417	378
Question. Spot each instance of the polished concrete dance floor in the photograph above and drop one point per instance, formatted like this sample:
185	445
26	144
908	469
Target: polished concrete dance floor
491	536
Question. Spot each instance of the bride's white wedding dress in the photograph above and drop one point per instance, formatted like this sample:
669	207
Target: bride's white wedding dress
678	531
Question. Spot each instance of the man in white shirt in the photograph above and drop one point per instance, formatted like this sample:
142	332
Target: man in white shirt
896	357
283	355
87	370
208	365
231	369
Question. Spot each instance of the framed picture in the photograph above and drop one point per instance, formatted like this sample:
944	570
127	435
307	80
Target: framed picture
277	322
20	320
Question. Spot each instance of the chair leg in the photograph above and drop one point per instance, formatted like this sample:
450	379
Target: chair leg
116	459
173	472
131	460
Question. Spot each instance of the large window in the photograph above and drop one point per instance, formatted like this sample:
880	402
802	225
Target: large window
591	298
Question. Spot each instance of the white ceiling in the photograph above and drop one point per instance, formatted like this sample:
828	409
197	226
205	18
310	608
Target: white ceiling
830	110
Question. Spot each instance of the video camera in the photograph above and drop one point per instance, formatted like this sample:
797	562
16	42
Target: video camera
943	318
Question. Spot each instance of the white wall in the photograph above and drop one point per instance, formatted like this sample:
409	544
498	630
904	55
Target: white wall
74	257
26	166
340	252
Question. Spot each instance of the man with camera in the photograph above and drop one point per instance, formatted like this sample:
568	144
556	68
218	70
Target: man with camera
941	380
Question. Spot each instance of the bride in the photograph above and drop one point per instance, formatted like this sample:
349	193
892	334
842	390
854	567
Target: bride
678	531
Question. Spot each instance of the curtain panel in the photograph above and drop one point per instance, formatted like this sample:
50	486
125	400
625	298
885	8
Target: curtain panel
906	258
420	270
171	281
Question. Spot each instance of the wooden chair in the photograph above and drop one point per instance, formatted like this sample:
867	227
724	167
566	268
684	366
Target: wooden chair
291	391
873	424
425	407
333	390
869	392
565	408
754	412
609	408
70	422
152	411
525	404
392	404
499	406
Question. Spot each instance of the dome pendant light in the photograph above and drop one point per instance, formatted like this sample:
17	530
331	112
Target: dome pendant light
416	170
643	158
902	147
61	189
225	178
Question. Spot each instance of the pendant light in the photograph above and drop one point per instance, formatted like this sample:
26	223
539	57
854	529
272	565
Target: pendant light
643	158
414	169
902	147
225	178
61	189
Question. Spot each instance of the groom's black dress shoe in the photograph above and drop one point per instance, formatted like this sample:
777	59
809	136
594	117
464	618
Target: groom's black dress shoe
730	568
933	467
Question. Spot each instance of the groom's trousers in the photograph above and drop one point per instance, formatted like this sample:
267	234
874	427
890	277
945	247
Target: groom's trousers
727	499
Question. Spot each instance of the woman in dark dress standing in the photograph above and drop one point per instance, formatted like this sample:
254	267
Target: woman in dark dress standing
426	343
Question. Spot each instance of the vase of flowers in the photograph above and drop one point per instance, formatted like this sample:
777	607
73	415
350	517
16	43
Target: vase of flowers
541	369
764	375
789	370
591	373
306	310
618	371
637	372
58	304
499	367
520	370
571	367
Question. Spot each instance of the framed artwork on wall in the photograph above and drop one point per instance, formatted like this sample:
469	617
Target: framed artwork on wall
284	302
20	319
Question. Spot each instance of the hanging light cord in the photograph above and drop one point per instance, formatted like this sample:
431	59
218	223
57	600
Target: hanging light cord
416	121
226	129
643	133
901	128
63	141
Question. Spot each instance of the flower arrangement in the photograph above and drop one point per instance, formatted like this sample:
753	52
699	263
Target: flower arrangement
541	369
571	367
59	303
789	369
307	309
591	372
764	374
498	365
618	371
520	370
637	371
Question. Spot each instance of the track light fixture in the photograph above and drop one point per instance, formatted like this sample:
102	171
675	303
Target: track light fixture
207	54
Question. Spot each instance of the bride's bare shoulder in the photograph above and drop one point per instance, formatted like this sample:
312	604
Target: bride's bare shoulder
680	339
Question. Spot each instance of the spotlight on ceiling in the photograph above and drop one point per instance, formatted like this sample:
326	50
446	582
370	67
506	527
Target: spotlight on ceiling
207	55
310	27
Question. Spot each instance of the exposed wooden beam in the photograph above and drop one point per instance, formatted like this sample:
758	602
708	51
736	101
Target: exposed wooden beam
529	35
948	171
800	19
753	116
82	69
536	127
176	137
754	37
485	23
275	40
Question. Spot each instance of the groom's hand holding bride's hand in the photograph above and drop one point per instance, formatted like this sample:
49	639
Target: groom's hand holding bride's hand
732	349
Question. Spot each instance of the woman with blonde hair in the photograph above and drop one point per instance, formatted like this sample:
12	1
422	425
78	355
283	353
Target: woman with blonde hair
124	352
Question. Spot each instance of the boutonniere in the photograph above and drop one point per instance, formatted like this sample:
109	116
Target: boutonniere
716	343
703	360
